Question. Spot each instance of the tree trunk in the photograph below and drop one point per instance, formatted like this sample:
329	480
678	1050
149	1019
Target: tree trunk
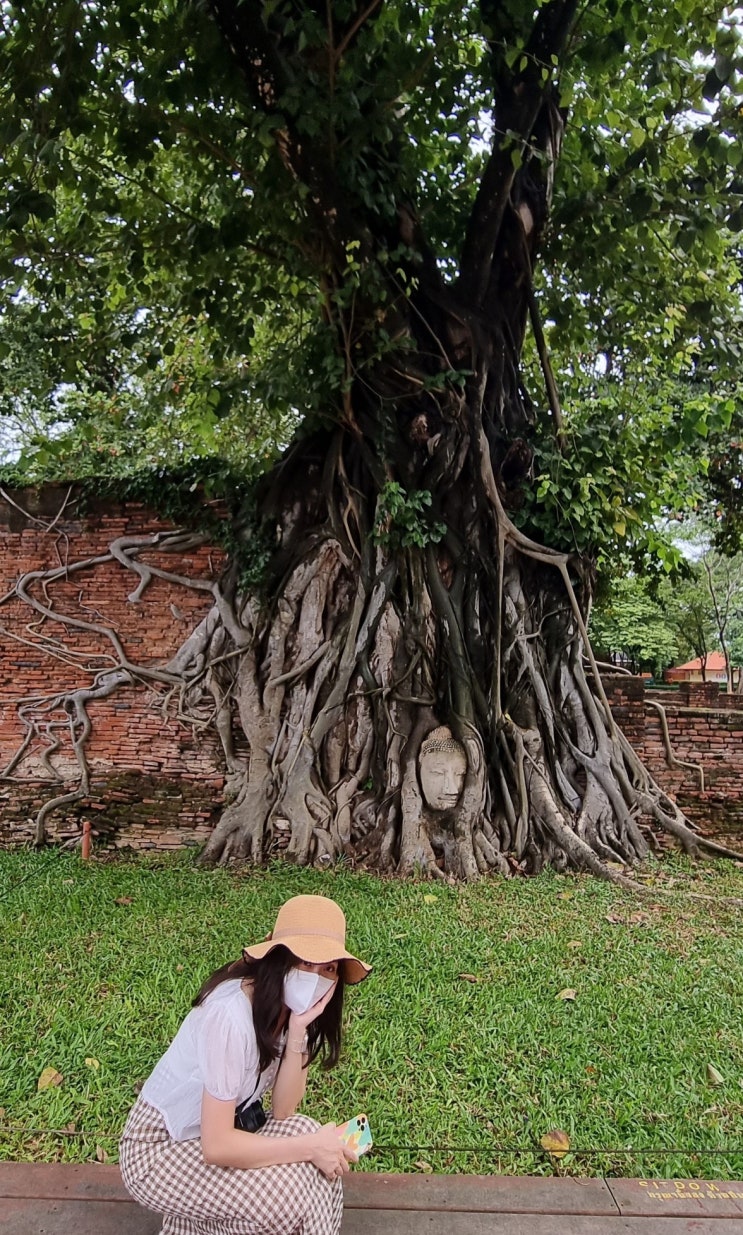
376	631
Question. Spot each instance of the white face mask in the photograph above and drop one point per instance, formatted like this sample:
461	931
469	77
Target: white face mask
302	989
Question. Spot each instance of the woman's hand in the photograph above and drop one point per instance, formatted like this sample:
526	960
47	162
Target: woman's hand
299	1021
328	1152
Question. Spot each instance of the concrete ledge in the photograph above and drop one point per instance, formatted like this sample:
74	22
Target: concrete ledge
62	1199
27	1216
57	1181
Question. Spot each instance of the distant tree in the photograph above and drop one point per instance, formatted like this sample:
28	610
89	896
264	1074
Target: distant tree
632	628
724	579
708	600
686	603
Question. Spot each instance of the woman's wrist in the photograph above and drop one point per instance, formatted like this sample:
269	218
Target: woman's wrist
296	1037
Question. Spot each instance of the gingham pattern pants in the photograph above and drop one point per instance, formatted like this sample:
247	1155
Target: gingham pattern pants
195	1198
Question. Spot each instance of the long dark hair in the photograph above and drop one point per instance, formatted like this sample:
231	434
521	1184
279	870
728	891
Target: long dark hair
267	976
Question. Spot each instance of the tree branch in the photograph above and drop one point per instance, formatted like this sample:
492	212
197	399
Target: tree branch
358	21
518	110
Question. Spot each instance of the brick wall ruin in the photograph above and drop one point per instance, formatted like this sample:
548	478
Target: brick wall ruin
705	728
157	782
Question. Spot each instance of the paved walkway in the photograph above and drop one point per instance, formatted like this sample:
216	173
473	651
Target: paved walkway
58	1199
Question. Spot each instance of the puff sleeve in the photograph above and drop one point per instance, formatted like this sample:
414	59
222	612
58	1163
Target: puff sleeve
226	1052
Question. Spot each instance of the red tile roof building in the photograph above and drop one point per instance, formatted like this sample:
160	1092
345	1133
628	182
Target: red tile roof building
715	670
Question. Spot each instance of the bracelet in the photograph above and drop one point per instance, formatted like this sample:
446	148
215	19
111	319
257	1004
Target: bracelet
297	1046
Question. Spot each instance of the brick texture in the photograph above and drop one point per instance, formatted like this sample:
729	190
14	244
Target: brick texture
155	781
705	728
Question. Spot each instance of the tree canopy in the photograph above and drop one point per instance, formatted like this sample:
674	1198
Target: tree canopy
161	287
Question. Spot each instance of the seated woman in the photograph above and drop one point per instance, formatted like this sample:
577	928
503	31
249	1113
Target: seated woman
197	1146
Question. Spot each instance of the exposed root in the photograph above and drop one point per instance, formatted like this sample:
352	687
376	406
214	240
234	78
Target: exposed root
41	732
671	759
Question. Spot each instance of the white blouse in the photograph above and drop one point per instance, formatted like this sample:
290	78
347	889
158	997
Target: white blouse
215	1050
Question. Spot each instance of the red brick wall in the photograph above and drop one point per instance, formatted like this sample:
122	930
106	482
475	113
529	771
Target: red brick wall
705	727
154	779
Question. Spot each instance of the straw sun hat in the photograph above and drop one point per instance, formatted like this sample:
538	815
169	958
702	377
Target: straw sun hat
314	929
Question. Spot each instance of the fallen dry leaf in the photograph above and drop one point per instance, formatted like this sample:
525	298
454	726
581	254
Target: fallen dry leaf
567	994
124	900
425	1167
468	977
713	1076
615	919
556	1142
49	1077
101	1154
575	943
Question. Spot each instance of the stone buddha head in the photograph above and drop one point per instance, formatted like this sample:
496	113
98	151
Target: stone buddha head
442	765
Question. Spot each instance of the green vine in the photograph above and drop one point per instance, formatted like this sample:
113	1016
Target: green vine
403	520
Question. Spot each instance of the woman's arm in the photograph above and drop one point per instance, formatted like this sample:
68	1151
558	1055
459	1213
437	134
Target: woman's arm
223	1144
291	1078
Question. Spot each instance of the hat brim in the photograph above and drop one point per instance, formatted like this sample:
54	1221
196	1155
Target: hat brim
316	950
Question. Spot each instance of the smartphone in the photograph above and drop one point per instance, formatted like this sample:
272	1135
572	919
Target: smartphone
356	1133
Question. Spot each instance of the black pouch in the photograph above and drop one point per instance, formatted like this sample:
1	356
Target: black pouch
250	1116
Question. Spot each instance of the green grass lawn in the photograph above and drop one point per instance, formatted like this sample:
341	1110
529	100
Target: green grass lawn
458	1047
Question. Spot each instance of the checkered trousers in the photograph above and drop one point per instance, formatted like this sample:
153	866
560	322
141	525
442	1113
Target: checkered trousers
195	1198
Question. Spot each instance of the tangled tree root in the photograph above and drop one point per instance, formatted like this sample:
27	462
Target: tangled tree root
335	686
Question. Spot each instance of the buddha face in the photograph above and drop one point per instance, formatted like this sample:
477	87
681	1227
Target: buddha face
443	767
